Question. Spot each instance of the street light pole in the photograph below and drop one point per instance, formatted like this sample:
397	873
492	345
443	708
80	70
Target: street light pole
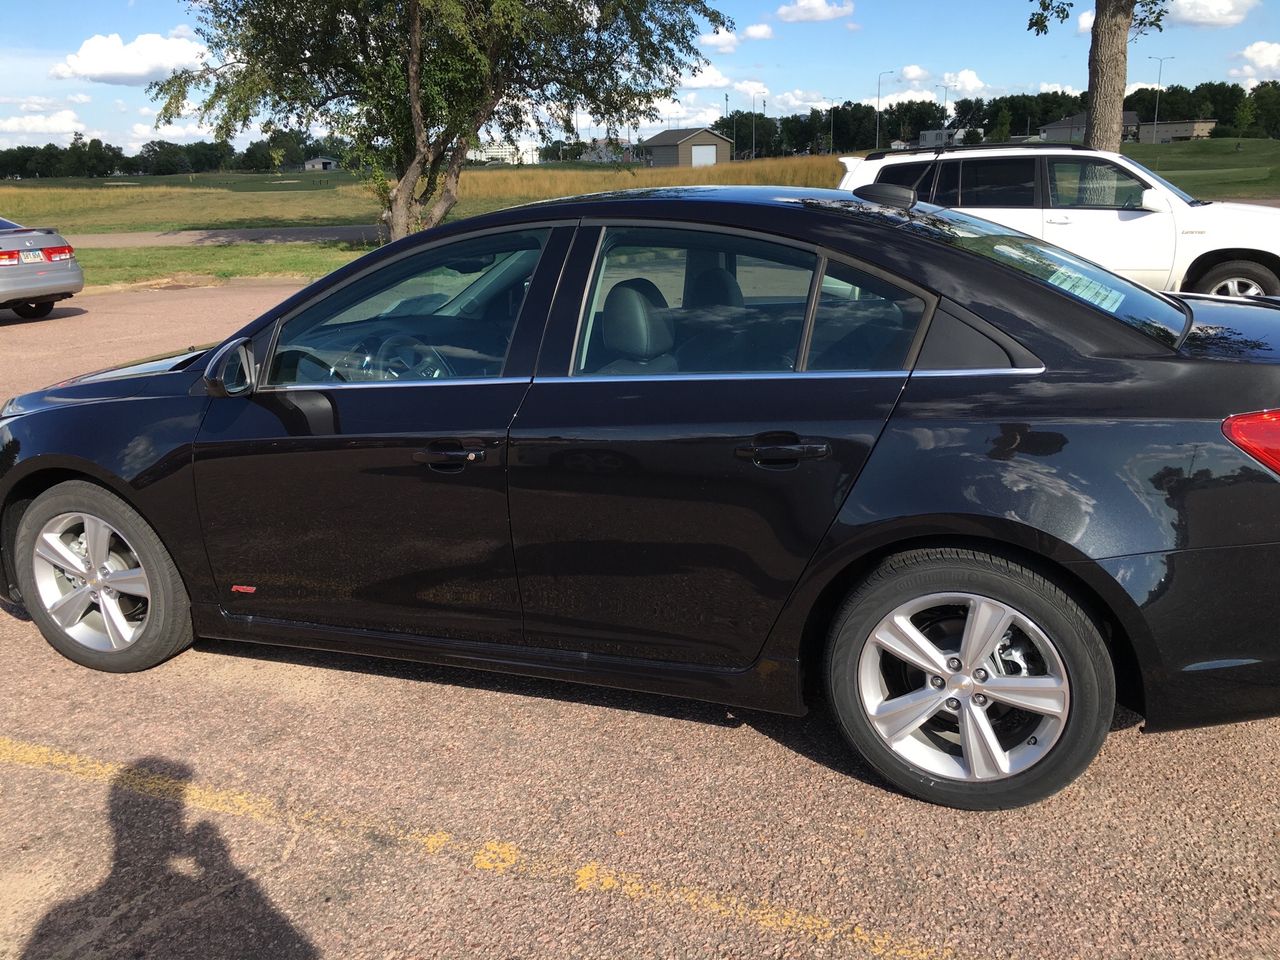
1155	139
833	125
879	77
753	126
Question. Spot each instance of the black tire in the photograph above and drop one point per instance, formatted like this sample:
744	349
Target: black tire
1244	270
1074	636
33	311
167	629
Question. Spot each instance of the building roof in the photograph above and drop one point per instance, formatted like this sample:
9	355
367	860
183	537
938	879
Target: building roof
669	138
1128	119
313	159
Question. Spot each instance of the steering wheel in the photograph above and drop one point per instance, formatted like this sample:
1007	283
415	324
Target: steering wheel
402	354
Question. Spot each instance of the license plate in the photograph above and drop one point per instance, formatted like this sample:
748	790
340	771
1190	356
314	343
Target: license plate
32	256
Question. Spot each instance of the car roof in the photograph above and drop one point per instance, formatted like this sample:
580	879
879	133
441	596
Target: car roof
924	154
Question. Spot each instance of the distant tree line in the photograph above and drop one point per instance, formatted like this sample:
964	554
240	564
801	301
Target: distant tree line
92	158
1239	113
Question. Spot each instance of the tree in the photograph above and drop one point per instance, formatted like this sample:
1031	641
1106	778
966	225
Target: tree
1266	102
972	137
1113	22
1246	116
411	83
1000	130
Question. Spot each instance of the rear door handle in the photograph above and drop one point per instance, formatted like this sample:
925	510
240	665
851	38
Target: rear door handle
1058	221
779	454
448	454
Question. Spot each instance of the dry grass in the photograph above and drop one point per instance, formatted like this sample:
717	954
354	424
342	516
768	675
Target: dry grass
106	209
547	183
111	209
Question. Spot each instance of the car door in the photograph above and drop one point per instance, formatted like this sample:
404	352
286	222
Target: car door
1002	189
704	402
1095	211
363	483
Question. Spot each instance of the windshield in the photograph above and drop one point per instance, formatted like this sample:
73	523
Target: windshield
1180	194
1139	307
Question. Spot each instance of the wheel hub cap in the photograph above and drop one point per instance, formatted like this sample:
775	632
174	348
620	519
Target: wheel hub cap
963	687
91	582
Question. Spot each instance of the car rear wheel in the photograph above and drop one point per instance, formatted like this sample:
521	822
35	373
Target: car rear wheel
1239	278
98	582
33	311
968	680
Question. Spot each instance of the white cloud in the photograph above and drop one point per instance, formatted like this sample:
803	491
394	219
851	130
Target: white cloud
1084	22
1262	59
705	78
146	112
752	88
1063	88
78	98
914	73
31	104
183	32
965	83
1210	13
173	132
809	10
722	41
108	59
121	106
758	31
61	121
1138	85
792	100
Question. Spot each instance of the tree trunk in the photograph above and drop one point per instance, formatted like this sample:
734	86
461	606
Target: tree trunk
1108	73
448	195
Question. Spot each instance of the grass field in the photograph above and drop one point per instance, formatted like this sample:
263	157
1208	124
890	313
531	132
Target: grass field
1211	169
208	201
301	260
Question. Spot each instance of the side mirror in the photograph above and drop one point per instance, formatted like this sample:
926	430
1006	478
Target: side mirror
1156	201
230	371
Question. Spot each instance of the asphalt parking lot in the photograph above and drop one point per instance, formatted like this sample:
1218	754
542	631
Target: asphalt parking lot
264	803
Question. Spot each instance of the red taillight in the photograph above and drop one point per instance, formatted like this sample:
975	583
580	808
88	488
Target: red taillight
54	254
8	257
1257	434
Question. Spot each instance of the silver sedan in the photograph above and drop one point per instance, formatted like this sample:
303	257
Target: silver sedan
37	268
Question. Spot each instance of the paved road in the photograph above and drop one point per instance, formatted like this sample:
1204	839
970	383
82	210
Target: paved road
183	238
251	802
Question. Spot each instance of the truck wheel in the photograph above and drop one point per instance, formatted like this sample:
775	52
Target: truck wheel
1239	278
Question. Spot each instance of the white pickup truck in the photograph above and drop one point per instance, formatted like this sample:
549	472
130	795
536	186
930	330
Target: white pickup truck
1099	205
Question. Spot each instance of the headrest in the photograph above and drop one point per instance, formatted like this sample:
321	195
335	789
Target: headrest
647	287
632	328
716	287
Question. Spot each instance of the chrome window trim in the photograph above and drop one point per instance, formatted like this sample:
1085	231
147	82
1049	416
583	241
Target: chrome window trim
981	372
376	384
696	377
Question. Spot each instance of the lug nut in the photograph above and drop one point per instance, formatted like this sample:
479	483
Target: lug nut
937	682
980	675
980	699
954	663
953	703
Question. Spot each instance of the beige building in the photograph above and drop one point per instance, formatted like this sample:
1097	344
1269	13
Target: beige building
1174	130
690	147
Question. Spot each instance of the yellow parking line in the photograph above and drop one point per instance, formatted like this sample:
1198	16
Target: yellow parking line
491	856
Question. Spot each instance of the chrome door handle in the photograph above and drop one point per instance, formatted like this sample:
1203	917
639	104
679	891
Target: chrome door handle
448	454
781	454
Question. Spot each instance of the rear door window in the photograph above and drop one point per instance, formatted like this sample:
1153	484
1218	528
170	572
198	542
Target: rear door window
862	322
914	176
998	182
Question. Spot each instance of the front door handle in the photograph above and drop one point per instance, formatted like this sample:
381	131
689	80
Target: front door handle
449	455
783	454
1058	221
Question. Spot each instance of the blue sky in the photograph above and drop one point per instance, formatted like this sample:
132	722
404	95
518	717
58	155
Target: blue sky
86	68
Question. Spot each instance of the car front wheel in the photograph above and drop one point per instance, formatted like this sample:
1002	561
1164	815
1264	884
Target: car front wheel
33	311
1239	278
98	582
969	680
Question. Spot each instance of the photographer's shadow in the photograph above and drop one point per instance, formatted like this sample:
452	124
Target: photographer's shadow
173	891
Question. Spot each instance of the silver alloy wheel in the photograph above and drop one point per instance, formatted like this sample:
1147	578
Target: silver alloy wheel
91	581
1238	287
964	687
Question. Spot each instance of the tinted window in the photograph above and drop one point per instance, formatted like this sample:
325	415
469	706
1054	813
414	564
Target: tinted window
7	224
916	176
1137	306
670	302
446	313
1092	183
1006	182
947	193
862	322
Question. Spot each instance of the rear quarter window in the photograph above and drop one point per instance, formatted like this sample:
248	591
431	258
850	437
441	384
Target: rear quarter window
7	224
914	176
